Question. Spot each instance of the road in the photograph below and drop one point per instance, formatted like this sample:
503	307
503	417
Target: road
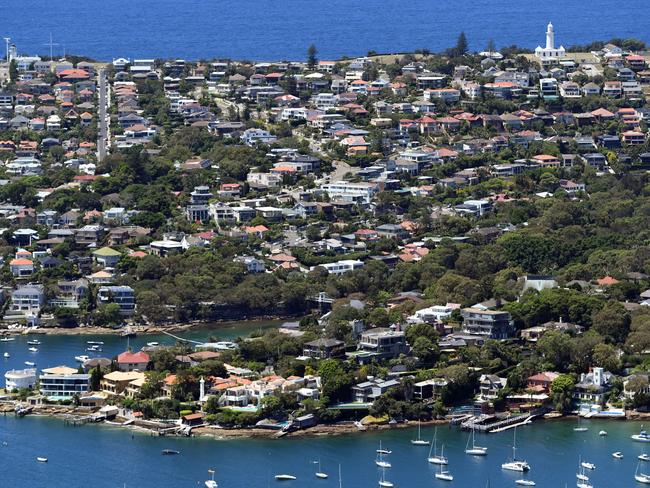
103	135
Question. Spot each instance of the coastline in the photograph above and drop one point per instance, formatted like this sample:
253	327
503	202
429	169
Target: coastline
137	329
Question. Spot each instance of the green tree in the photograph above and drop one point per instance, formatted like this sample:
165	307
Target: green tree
96	376
562	392
311	56
612	322
13	71
462	47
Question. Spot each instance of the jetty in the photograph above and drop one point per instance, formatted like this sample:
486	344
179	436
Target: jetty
493	424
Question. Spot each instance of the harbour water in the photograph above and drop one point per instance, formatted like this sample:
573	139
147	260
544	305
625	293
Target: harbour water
263	30
56	350
111	457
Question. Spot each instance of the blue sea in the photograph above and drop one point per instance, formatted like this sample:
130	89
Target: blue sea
283	29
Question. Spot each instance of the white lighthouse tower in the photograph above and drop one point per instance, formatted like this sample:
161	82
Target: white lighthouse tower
550	53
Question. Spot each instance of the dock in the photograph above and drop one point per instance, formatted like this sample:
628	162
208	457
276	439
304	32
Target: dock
483	423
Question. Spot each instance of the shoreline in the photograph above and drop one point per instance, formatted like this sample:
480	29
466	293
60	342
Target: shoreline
137	329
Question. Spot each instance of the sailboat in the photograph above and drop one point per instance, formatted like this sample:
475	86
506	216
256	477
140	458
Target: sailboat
383	482
515	465
380	461
641	477
319	473
474	450
383	451
435	459
419	441
580	427
211	483
444	474
580	475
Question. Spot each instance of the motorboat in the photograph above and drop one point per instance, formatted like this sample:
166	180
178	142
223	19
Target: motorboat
95	343
617	455
152	344
33	349
587	465
474	450
7	339
644	457
443	474
170	452
580	429
41	459
34	342
30	363
81	359
516	464
6	355
524	482
211	483
584	485
433	457
642	436
284	477
419	441
602	433
94	348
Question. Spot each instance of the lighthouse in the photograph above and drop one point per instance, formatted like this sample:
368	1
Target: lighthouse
550	54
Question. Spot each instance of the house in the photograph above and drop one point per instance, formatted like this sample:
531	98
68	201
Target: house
490	386
340	267
107	257
63	383
117	382
70	293
593	386
383	343
21	267
17	379
324	349
253	265
369	391
541	382
427	389
124	296
133	361
489	323
28	299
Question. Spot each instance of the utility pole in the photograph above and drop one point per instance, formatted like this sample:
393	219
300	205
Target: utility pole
7	39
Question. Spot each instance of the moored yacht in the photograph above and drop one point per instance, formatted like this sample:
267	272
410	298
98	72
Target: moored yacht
433	457
642	436
474	450
516	464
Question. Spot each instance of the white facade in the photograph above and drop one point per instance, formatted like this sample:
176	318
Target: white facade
15	379
550	53
341	267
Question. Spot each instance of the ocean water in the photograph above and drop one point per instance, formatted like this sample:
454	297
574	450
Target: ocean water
111	457
283	29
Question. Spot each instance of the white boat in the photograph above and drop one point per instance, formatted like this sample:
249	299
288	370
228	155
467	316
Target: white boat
584	485
580	475
383	451
152	344
94	349
96	343
380	461
587	465
644	457
443	474
34	342
617	455
602	433
81	359
33	349
30	363
524	482
433	457
211	483
6	354
580	429
419	441
383	482
515	465
641	477
474	450
642	436
319	473
41	459
284	477
7	339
